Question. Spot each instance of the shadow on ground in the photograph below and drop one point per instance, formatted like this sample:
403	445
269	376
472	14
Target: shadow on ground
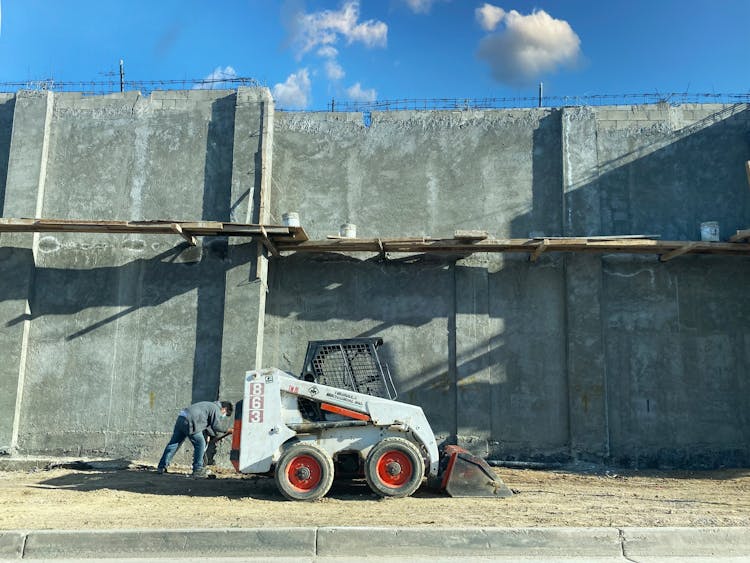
144	480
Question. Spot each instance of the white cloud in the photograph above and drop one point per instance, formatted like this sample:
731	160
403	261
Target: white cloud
217	79
356	93
528	47
326	27
328	52
420	6
295	92
489	16
334	71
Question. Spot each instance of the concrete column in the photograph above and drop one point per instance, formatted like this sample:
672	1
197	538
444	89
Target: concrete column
473	366
586	366
24	196
246	284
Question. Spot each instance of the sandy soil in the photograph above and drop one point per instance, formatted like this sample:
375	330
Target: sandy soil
137	497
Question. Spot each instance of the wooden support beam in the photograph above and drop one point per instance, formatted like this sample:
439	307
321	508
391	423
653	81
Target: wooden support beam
679	251
383	255
268	244
189	238
541	247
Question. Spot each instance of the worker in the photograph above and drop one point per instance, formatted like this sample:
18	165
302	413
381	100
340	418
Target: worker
211	416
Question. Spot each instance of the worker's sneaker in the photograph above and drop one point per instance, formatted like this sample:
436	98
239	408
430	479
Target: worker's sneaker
161	470
201	474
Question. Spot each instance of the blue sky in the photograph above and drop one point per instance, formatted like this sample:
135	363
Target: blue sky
310	51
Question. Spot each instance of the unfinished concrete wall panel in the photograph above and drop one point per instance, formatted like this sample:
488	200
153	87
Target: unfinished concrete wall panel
124	330
510	361
418	173
677	362
340	297
12	290
572	356
666	170
458	334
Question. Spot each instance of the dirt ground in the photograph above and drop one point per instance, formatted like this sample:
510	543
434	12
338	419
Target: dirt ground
137	497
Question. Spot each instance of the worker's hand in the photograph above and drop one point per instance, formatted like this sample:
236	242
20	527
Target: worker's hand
230	430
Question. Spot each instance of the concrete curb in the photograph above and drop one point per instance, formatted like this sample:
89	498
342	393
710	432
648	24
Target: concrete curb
11	545
275	542
370	542
455	541
663	542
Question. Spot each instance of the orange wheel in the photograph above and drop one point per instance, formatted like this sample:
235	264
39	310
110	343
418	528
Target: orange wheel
304	472
394	468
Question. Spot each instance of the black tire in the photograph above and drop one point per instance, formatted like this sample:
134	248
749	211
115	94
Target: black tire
304	472
394	468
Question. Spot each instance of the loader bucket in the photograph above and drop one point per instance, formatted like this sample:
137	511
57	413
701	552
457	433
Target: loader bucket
466	475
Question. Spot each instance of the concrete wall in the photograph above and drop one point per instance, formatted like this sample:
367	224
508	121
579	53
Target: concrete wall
110	335
572	357
606	358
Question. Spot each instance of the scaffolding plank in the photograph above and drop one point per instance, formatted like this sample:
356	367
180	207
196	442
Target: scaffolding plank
183	228
279	239
471	235
453	246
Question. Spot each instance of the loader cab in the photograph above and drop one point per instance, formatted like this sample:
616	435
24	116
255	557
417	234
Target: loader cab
350	363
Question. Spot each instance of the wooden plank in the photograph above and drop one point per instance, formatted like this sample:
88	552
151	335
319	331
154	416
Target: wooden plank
279	238
452	246
678	252
470	235
188	228
741	235
603	237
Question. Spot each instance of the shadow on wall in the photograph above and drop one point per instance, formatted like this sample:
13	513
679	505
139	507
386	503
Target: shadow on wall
6	128
211	282
143	283
139	284
668	183
673	335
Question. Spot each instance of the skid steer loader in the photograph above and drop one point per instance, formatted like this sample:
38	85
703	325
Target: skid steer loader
340	418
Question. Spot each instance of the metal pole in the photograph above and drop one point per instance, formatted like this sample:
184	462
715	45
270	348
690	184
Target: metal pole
122	75
541	93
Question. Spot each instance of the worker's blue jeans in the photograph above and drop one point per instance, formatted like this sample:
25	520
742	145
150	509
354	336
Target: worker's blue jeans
182	431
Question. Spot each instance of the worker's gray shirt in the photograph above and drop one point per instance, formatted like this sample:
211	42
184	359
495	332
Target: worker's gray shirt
207	416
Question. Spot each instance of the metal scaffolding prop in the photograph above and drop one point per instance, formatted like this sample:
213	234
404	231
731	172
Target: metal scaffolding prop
278	239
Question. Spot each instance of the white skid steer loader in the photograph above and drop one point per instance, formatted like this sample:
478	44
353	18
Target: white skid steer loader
339	418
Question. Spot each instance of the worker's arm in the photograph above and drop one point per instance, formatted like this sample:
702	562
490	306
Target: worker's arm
220	425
